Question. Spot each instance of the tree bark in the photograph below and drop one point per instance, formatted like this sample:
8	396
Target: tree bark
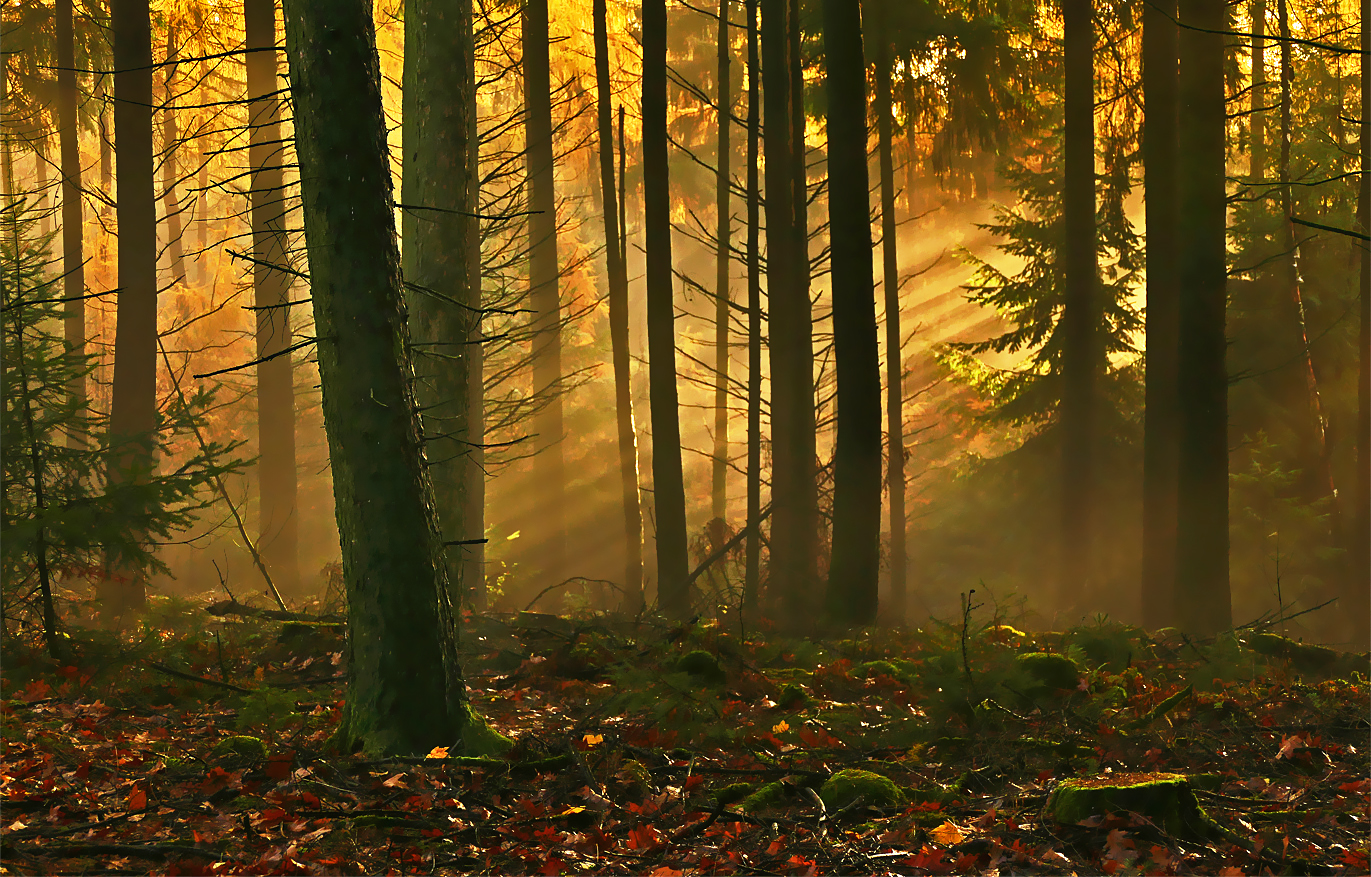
405	693
1082	356
474	491
202	183
73	243
1257	169
133	407
1357	607
752	572
279	536
1202	584
719	493
437	192
617	271
1160	427
673	591
853	580
894	364
171	144
549	466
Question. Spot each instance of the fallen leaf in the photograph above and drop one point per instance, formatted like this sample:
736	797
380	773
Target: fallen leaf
593	739
780	727
1288	746
947	834
437	752
138	799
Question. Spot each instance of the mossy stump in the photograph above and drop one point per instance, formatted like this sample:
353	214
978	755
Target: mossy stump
1166	799
238	752
846	786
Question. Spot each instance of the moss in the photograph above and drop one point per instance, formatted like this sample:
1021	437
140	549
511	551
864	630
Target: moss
1164	798
702	666
1053	671
634	778
733	793
241	751
479	738
1302	656
793	696
871	669
768	796
846	786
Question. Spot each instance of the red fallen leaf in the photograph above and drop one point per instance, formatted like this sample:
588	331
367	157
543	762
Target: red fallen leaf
279	765
35	690
269	818
138	799
644	837
1356	860
776	846
694	782
83	770
1358	786
666	871
552	865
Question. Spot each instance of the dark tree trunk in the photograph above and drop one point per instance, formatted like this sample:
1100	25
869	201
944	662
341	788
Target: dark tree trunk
549	466
673	592
1203	601
1160	436
439	205
171	144
106	144
405	693
1257	171
474	492
133	414
853	579
752	572
1082	356
719	493
894	365
1357	607
73	244
279	537
617	272
202	183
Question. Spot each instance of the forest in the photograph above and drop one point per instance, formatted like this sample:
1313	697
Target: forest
685	437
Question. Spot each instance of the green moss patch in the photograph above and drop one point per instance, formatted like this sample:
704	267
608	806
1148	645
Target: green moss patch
702	666
1052	671
237	752
846	786
1166	799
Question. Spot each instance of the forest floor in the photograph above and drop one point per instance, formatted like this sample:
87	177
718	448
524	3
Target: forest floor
199	746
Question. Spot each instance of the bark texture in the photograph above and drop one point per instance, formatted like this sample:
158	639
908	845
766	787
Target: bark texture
722	181
752	574
73	243
1358	585
171	146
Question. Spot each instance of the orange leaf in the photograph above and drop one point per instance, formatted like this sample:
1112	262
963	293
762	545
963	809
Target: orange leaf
780	727
947	834
437	752
138	799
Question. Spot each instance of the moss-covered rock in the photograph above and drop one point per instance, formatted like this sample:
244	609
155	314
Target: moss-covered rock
1050	670
701	665
767	797
872	669
238	752
733	793
1166	799
846	786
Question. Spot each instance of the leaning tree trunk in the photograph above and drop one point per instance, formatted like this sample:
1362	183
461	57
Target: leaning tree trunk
722	180
894	365
617	272
1358	595
73	254
279	536
171	143
853	580
1202	585
1160	436
405	692
549	464
133	408
673	591
438	201
753	552
1082	356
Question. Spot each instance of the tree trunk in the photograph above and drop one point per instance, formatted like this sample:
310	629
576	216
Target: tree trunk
133	407
719	494
853	580
1357	606
894	365
279	538
752	571
202	182
1257	169
474	511
1202	585
73	245
617	272
171	143
405	693
1160	436
1082	356
673	592
439	205
549	466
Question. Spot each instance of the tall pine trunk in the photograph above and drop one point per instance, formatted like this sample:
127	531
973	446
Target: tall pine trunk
673	593
279	537
855	569
617	271
806	598
405	693
1358	600
133	414
73	244
722	180
549	466
171	144
202	182
1082	356
474	489
1257	169
437	194
1160	427
1203	597
894	365
753	552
